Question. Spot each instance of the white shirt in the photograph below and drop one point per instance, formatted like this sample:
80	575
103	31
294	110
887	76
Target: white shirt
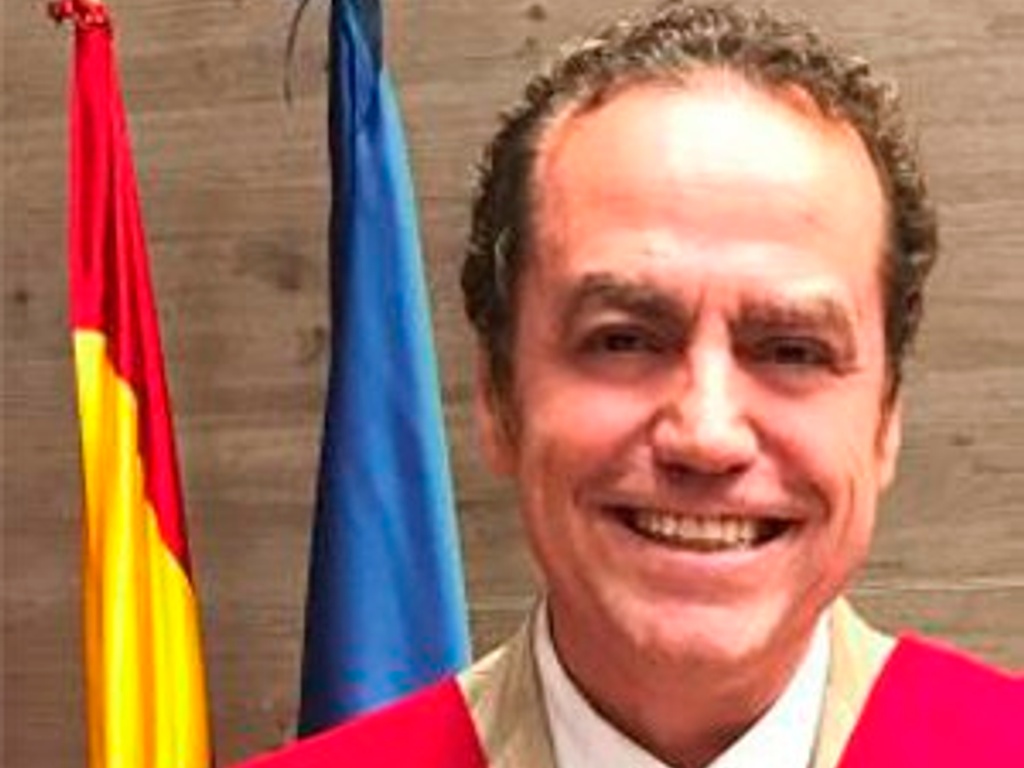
782	738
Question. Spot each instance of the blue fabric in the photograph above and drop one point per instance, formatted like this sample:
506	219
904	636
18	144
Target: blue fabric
385	608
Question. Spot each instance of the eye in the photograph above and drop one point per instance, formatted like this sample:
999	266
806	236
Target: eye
795	352
621	340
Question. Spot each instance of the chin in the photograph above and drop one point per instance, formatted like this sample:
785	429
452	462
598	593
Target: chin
702	637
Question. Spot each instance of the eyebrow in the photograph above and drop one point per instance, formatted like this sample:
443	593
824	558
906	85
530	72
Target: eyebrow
604	291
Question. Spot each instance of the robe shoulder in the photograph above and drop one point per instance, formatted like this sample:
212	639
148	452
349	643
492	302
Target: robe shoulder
938	707
429	729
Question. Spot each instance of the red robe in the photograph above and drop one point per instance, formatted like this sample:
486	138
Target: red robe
430	728
930	707
936	708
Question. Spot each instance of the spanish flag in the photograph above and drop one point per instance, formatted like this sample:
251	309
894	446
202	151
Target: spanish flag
145	687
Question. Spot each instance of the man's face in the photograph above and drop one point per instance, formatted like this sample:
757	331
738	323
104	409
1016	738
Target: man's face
700	432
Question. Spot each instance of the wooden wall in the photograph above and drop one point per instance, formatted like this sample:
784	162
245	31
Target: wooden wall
234	188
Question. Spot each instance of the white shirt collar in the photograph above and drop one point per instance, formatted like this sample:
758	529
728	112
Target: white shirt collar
783	738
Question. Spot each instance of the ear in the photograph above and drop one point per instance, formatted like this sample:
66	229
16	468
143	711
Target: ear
890	438
492	421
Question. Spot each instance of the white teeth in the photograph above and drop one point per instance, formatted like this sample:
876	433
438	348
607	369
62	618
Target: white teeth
704	533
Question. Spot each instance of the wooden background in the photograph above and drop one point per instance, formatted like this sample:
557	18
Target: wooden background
234	188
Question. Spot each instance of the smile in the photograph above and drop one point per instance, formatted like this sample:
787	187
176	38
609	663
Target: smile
705	533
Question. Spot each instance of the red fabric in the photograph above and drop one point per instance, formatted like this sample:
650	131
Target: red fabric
931	708
431	729
937	708
110	284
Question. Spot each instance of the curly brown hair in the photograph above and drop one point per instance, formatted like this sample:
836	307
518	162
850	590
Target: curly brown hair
672	44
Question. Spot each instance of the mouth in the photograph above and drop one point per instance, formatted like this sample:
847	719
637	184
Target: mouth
703	533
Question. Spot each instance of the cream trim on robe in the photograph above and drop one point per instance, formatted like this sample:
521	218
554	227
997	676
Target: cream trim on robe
505	700
858	655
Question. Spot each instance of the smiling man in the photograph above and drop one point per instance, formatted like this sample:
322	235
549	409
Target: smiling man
697	259
698	417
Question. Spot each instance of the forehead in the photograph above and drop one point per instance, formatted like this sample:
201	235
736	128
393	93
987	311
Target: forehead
715	154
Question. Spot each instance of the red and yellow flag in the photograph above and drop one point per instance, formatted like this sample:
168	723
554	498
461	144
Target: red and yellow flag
146	695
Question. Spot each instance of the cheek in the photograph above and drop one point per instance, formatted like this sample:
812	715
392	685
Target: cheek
830	443
571	436
829	464
581	432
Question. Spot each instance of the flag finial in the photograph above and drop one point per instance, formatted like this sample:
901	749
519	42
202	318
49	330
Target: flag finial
84	13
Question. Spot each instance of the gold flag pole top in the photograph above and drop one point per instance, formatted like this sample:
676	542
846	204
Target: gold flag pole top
85	13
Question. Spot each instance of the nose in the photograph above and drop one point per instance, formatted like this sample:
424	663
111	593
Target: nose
703	426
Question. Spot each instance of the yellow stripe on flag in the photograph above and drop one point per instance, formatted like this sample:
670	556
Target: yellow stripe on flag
144	668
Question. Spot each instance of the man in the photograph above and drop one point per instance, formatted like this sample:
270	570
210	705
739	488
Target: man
698	257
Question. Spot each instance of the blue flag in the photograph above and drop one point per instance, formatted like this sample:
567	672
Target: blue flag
385	609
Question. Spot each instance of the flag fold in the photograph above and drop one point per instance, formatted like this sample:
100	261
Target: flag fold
145	687
385	608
